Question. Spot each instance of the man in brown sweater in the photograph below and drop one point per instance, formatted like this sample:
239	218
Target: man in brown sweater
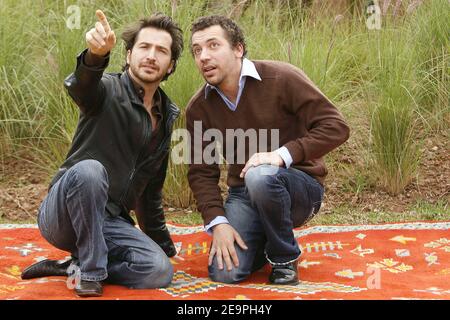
283	126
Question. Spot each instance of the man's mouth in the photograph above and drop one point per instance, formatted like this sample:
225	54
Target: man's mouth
208	70
149	67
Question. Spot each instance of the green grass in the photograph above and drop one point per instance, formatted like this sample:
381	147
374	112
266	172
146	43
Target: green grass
421	211
395	80
349	215
430	27
189	219
4	220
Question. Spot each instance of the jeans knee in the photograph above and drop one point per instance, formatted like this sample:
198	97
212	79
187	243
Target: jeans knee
258	180
90	173
165	273
160	275
235	275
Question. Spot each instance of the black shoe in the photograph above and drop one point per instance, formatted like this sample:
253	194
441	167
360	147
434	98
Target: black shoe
46	268
284	275
86	289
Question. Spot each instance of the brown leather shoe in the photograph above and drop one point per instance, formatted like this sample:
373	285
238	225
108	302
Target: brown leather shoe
86	289
46	268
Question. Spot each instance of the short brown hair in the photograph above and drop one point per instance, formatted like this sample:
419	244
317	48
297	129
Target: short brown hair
161	22
233	33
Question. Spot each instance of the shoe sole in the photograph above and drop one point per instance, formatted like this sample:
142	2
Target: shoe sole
87	295
290	283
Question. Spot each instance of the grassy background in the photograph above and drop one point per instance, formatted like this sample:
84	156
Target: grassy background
391	84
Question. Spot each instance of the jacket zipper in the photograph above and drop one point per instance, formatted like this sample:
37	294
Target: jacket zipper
163	143
135	169
130	179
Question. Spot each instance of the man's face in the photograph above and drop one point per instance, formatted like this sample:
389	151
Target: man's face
150	58
214	56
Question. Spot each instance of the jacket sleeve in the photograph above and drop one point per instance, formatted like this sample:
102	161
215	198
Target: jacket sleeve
150	213
85	85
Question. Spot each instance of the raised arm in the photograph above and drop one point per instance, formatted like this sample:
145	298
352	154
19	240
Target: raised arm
85	84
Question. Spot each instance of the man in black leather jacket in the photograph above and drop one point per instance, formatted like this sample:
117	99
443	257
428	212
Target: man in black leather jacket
117	163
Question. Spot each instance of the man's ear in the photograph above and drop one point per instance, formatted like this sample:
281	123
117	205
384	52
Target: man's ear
128	56
170	69
239	50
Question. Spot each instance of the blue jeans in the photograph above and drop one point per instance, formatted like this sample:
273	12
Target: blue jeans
72	218
264	213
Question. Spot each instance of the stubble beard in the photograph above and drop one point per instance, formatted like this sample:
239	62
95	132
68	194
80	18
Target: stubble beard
146	78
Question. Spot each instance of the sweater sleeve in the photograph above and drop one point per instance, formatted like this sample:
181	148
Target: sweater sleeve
326	128
203	177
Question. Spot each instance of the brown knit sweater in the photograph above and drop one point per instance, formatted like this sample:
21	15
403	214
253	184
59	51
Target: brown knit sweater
309	126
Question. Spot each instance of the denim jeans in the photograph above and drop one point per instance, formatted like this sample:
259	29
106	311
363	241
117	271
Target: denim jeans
72	218
264	213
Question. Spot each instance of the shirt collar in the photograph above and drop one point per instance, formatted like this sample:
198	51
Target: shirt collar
140	91
248	70
137	87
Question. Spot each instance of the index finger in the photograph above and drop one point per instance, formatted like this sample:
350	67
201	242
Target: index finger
247	166
212	253
102	18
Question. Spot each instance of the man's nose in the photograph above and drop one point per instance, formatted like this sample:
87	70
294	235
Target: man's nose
151	54
204	55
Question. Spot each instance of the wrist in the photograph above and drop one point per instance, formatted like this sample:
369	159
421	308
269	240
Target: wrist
92	59
98	54
218	226
279	159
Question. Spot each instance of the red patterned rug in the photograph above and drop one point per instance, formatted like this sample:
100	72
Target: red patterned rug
390	261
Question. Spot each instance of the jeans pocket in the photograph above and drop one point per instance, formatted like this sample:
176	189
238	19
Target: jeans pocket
119	252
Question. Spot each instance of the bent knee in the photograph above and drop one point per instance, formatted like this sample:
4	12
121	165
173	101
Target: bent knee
235	275
90	172
159	275
164	274
260	176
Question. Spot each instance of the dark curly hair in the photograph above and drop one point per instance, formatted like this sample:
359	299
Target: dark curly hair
161	22
233	33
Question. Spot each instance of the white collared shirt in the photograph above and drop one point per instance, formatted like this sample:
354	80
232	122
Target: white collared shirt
248	70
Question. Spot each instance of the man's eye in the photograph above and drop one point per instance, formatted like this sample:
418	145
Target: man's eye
214	45
197	51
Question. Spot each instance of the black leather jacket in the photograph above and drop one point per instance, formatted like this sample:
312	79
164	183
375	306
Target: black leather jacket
114	128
